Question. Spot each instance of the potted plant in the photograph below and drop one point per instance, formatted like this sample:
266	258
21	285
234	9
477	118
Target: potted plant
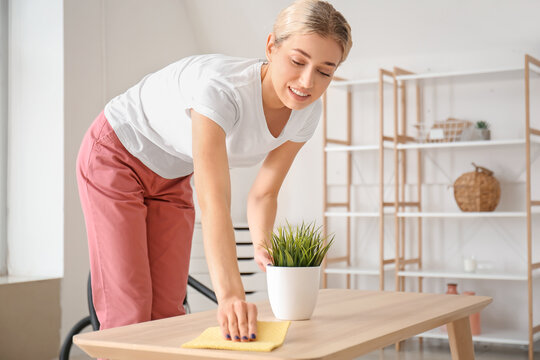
293	277
483	128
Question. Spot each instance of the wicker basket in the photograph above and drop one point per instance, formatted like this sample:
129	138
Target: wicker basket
478	190
441	131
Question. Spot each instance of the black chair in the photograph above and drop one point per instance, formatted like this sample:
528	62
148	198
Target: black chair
93	320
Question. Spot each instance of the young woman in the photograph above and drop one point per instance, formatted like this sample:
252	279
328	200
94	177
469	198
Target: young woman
200	116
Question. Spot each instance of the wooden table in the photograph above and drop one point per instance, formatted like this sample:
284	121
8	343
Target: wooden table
345	324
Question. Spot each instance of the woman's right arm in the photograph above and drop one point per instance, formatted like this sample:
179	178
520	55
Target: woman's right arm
236	317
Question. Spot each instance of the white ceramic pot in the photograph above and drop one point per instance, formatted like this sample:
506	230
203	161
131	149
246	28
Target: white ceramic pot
293	291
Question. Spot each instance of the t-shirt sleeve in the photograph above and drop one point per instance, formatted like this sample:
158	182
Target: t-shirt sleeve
310	125
216	102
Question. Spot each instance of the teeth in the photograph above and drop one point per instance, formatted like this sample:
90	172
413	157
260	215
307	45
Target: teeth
297	92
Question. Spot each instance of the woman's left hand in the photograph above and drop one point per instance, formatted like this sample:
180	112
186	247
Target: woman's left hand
262	258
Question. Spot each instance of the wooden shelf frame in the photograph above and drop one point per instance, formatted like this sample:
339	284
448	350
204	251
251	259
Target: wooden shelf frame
403	144
397	145
529	60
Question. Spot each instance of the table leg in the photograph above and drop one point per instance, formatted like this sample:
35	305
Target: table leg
460	338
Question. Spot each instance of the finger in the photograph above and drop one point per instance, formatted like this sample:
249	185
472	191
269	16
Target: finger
252	321
240	308
224	326
262	260
233	325
262	264
265	261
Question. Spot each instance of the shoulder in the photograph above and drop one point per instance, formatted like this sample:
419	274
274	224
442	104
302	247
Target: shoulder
218	73
219	68
212	84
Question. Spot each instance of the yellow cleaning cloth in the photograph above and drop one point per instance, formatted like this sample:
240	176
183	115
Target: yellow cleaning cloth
270	335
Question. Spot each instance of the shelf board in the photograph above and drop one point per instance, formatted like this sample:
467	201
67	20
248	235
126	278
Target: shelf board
442	145
481	214
351	270
354	214
509	70
354	269
459	274
373	81
359	82
461	144
519	70
498	336
332	148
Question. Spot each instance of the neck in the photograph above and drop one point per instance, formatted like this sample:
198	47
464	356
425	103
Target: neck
270	98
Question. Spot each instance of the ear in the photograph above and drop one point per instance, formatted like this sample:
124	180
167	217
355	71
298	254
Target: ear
270	46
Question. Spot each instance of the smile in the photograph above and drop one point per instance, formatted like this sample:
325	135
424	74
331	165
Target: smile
298	92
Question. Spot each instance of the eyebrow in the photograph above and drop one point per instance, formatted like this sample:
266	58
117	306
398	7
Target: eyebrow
309	57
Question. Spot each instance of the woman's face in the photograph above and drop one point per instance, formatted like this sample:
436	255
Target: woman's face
302	68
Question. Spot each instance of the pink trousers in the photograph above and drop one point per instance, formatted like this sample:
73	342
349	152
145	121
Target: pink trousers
139	228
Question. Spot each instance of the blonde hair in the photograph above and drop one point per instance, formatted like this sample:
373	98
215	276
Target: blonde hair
313	17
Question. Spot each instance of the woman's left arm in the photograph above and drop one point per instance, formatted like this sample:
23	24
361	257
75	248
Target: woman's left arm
262	199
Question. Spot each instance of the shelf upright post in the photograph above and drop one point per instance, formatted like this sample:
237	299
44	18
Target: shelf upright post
326	203
403	138
529	227
396	190
530	265
381	179
325	182
403	173
419	188
382	204
349	179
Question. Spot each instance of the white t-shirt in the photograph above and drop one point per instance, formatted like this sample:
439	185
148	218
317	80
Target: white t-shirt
152	119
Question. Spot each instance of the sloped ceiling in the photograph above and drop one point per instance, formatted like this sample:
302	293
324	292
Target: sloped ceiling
386	32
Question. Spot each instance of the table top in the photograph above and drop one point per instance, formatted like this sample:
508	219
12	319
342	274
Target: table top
345	324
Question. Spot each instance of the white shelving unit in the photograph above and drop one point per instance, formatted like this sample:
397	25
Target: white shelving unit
400	211
412	267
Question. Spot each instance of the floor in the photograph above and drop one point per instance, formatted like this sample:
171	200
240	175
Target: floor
432	349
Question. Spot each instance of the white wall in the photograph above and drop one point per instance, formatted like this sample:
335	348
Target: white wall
35	147
4	30
109	46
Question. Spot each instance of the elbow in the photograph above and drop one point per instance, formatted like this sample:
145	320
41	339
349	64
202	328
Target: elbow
258	197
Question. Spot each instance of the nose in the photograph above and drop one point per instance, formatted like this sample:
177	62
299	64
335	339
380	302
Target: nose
306	78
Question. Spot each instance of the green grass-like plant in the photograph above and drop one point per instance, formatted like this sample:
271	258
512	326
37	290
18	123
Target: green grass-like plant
482	125
298	246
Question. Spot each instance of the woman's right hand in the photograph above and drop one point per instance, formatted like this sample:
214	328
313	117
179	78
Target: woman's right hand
262	258
237	319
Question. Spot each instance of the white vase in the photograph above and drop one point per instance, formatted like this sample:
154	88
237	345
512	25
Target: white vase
293	291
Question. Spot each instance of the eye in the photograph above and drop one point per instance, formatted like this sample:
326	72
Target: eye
324	74
296	62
